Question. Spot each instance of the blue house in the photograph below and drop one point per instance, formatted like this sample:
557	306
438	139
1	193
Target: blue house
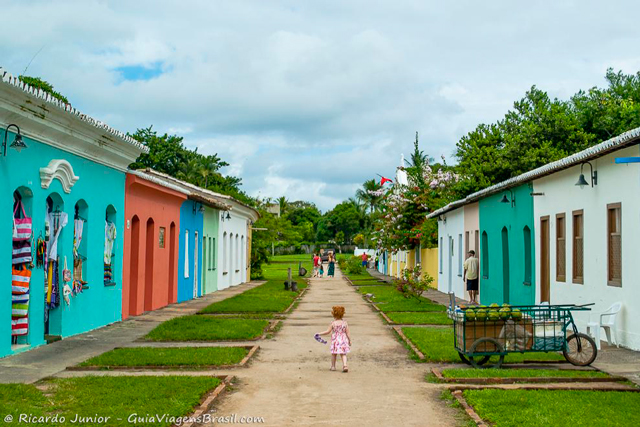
62	176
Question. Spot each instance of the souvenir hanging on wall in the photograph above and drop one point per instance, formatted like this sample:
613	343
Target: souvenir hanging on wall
41	249
21	226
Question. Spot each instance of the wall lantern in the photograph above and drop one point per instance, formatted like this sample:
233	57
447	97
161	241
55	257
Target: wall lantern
198	209
222	217
582	182
17	144
511	199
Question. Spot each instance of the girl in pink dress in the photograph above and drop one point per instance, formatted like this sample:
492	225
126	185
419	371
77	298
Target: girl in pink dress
340	338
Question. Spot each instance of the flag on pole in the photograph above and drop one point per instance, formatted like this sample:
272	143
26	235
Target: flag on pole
384	180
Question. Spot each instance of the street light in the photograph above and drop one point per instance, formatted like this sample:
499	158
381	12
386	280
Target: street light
511	200
17	144
582	182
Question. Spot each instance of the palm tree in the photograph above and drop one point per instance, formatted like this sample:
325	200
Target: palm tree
364	194
284	203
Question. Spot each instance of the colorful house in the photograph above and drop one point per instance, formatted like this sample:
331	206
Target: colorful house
234	243
586	235
151	241
198	223
68	181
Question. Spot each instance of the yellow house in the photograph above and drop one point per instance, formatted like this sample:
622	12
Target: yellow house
428	259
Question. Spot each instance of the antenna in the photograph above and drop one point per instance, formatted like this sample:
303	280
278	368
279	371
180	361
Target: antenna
34	57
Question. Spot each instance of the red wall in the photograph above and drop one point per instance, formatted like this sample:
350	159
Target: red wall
149	279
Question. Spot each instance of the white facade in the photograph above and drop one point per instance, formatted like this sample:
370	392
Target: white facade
617	183
233	235
451	253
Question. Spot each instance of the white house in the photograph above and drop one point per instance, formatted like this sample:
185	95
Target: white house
586	237
451	256
234	246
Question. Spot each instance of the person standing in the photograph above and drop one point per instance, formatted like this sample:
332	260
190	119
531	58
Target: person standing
332	265
365	259
470	276
316	264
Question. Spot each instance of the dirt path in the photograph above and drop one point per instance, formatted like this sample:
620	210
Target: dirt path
290	383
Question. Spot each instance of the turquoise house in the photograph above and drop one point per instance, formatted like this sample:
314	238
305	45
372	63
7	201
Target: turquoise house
507	270
70	181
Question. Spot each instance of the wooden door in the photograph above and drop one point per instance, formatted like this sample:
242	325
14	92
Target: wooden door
545	277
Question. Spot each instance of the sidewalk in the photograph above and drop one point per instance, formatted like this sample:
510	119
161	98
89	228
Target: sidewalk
33	365
612	360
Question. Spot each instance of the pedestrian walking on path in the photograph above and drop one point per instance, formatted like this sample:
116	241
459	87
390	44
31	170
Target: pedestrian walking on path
340	338
316	264
331	271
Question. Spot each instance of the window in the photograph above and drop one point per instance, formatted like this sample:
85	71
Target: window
527	255
419	254
578	247
485	255
614	243
161	233
466	242
441	245
561	248
476	243
110	257
186	254
460	255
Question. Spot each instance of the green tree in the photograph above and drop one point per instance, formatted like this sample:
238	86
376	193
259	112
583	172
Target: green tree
47	87
365	196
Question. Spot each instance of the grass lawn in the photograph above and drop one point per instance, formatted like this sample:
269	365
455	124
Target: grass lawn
207	328
114	397
437	346
186	356
522	408
520	373
420	318
269	297
388	299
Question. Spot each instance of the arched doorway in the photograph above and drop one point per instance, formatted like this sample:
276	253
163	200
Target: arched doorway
148	269
134	266
505	265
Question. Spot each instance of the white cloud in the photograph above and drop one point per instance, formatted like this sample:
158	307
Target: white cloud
309	99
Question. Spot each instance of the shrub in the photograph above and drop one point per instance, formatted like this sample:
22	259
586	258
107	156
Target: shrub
413	282
354	265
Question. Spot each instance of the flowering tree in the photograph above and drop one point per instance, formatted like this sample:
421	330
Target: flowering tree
401	223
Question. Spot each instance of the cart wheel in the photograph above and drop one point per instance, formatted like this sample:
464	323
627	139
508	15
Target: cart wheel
583	356
479	361
464	358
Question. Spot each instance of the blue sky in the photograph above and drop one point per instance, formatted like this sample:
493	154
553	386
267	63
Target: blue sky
310	99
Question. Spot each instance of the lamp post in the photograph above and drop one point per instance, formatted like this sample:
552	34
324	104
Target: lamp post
582	182
17	144
511	200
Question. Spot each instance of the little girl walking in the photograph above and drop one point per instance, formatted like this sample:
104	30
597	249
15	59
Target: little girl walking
340	338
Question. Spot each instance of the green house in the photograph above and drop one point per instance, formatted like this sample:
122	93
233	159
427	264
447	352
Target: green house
507	270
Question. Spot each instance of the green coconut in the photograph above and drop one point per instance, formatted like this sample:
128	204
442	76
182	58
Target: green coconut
470	314
494	305
505	313
516	314
493	315
481	314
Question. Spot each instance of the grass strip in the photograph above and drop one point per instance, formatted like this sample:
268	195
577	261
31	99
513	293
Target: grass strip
269	297
207	328
389	299
181	356
520	373
524	408
437	346
114	397
419	318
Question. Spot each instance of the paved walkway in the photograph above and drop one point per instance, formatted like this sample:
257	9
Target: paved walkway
47	360
289	382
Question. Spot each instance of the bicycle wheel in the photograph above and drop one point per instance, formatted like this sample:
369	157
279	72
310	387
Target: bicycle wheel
480	361
583	356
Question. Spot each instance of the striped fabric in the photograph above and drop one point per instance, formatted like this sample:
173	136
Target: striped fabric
19	326
21	253
21	226
20	280
20	298
19	310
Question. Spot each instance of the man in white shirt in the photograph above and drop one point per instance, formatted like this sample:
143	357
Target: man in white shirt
471	276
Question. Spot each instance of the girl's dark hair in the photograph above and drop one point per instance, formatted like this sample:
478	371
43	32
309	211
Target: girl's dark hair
337	312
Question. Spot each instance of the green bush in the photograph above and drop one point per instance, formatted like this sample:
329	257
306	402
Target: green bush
354	265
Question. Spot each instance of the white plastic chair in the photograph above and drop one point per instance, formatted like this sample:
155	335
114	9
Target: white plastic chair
608	323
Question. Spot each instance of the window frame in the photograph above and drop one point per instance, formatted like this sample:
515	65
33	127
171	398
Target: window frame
561	216
575	277
441	254
613	207
484	247
460	255
528	256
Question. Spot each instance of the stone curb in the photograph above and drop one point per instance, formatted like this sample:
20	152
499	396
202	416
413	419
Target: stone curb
409	343
603	386
242	363
468	409
513	380
207	402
